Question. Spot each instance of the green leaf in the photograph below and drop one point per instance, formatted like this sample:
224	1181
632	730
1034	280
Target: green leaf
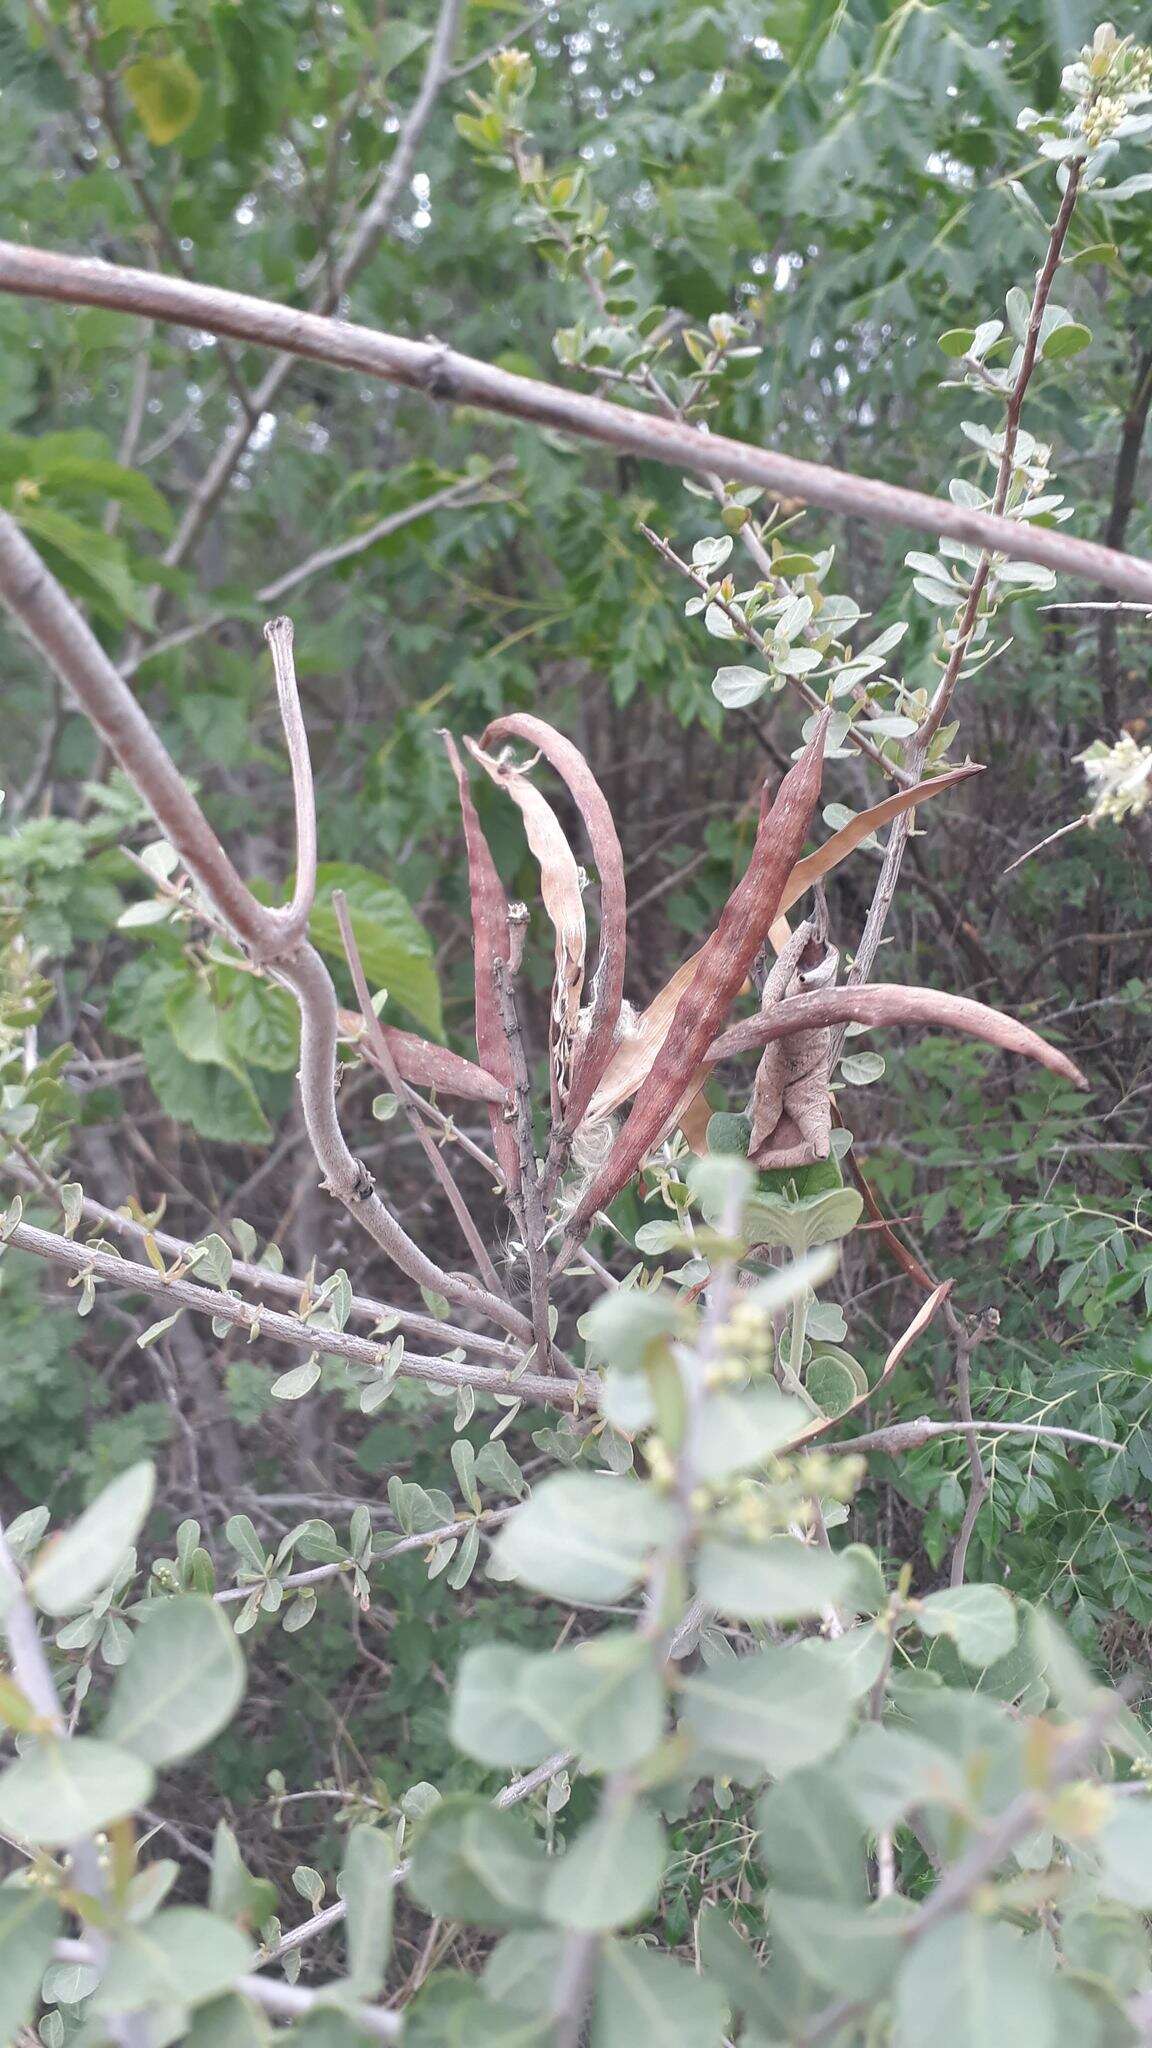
181	1685
99	477
216	1101
473	1862
1124	1846
75	1566
488	1720
737	686
889	1772
29	1924
628	1328
232	1890
726	1957
369	1889
776	1711
780	1580
296	1382
957	341
811	1838
59	1790
196	1022
835	1944
396	951
969	1982
228	2022
980	1620
165	92
604	1699
737	1432
91	563
581	1538
181	1957
652	1999
610	1875
521	1970
799	1225
393	42
1069	339
831	1383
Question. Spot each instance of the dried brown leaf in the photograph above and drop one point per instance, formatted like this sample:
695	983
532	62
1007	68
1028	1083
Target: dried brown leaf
564	903
791	1106
904	1342
635	1054
721	970
594	1045
490	941
850	836
425	1065
893	1005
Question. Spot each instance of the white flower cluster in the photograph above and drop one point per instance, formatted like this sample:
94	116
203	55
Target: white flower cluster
1119	779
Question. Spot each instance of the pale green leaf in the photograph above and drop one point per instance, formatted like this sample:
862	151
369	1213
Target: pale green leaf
970	1982
779	1580
182	1683
181	1957
610	1875
29	1924
58	1790
655	2000
75	1566
369	1889
581	1538
980	1620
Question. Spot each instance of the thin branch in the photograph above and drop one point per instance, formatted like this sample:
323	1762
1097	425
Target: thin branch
346	1177
1119	513
281	2001
968	1334
337	276
909	1436
286	1285
426	1539
331	1916
95	91
462	493
63	635
1046	277
963	1879
279	634
917	752
747	631
529	1202
442	374
406	1097
515	34
257	1321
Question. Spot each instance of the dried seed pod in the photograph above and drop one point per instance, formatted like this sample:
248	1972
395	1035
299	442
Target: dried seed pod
721	969
561	888
597	1036
490	941
791	1106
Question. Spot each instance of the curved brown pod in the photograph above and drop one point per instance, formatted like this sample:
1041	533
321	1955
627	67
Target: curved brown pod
722	968
428	1066
594	1049
490	941
883	1004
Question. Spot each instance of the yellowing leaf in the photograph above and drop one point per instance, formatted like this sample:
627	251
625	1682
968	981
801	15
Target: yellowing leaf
165	92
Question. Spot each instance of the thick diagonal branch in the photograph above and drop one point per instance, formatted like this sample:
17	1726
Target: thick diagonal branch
441	373
257	1321
52	621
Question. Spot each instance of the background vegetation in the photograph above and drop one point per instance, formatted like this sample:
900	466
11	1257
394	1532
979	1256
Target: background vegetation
849	183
